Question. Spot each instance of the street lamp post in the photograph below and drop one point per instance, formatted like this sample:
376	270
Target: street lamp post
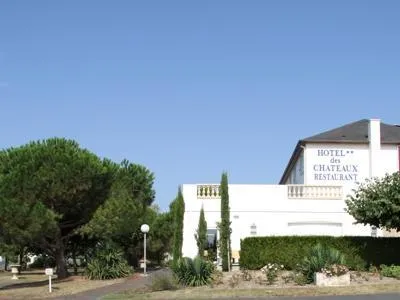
145	229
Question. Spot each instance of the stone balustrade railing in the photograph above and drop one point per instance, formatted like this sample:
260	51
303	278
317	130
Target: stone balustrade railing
295	191
298	191
208	191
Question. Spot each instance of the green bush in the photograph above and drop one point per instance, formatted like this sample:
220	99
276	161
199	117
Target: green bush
360	252
107	263
320	257
193	272
163	282
390	271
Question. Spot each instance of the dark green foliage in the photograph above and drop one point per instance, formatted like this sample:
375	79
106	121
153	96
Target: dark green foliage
107	263
159	239
42	262
48	189
320	256
193	272
376	202
201	235
178	211
225	229
360	252
390	271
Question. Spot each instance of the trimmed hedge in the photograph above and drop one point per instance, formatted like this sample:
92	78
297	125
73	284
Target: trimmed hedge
360	252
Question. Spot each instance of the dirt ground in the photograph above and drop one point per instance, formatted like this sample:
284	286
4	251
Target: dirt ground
257	279
35	286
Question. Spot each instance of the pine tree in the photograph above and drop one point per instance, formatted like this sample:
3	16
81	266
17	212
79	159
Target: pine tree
225	230
179	210
201	233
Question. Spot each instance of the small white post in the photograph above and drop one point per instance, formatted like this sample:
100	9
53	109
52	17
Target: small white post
49	272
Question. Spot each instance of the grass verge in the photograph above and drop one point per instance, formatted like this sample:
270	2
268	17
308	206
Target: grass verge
36	286
210	293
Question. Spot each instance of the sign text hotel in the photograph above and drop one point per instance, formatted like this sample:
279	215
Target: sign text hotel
335	166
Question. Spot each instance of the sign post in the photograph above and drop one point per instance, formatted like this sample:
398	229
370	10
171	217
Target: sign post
49	272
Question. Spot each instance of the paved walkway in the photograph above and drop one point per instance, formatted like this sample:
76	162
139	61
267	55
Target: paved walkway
131	283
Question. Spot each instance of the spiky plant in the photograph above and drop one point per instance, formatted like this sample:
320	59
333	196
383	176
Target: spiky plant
320	257
193	272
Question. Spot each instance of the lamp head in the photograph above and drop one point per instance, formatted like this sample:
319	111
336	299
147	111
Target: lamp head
145	228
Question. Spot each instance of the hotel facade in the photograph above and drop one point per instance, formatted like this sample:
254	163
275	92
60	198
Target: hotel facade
310	197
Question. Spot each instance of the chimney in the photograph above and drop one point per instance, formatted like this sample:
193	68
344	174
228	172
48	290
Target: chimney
374	136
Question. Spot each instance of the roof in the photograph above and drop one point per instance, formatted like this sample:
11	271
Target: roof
355	133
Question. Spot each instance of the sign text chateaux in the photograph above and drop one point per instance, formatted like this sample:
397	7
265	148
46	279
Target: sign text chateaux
335	167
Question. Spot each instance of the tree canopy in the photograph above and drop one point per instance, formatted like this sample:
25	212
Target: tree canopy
225	225
178	210
201	233
47	190
377	202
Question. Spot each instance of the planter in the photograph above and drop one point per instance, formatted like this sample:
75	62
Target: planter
14	271
322	279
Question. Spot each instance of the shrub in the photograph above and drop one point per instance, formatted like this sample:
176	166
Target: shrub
193	272
360	252
246	275
108	263
300	279
320	257
390	271
271	272
163	282
335	270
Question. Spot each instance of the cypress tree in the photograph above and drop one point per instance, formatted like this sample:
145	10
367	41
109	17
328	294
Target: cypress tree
201	235
225	230
179	210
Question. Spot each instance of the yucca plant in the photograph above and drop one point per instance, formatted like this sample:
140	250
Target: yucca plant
320	257
193	272
108	263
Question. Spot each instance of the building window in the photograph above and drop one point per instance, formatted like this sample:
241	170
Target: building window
253	229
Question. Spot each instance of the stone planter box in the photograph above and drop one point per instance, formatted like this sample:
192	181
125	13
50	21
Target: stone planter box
323	280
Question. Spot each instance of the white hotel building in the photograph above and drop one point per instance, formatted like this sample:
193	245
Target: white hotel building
310	197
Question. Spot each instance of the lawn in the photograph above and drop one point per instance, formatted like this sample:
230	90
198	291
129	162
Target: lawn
211	293
34	285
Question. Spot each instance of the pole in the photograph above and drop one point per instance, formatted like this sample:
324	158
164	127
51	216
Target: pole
145	260
49	283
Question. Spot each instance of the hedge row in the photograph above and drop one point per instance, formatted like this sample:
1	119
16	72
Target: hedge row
360	252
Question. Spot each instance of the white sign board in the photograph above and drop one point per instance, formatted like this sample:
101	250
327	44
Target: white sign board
48	271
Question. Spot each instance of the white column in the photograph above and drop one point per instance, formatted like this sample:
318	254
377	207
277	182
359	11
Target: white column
374	135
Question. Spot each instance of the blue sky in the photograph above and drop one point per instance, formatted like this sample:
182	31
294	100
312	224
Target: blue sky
192	88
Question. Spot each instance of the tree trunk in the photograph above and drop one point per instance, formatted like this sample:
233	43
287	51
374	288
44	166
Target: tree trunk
62	271
74	261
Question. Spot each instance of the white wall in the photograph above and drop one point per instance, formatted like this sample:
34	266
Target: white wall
389	159
272	212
